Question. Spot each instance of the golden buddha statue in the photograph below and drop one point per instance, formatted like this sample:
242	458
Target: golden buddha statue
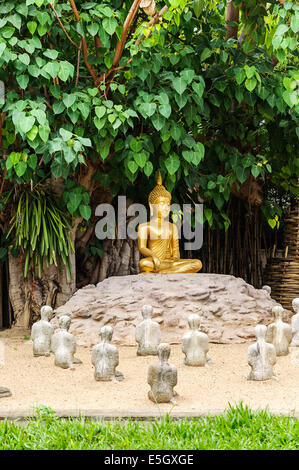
158	239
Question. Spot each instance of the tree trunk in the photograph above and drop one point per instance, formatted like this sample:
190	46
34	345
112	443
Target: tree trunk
232	14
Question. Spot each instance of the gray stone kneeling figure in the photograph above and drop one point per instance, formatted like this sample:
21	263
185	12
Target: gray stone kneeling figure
148	333
295	324
105	357
279	333
261	356
162	377
41	332
63	345
195	344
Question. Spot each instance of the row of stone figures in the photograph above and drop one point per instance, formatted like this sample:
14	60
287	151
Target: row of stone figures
272	341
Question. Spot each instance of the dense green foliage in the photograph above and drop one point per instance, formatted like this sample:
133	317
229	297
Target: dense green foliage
42	229
238	428
209	112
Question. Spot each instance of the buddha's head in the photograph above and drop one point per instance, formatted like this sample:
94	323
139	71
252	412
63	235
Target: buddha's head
295	305
260	331
277	312
194	321
46	313
65	322
159	200
163	352
147	311
106	333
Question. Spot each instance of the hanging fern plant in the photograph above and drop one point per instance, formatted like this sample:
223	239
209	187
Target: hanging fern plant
42	230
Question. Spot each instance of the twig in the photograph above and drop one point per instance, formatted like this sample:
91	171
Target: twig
78	65
84	47
151	23
63	28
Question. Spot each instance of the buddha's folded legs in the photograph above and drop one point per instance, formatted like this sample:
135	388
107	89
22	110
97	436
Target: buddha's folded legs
183	266
169	266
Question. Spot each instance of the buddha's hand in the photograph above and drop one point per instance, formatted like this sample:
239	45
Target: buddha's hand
156	262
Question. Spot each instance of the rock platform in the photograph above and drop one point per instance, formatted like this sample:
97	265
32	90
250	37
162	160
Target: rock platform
229	307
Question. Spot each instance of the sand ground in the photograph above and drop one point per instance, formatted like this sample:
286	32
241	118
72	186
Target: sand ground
37	381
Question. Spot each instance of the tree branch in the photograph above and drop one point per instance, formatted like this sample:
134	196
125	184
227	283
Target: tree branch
152	22
121	43
84	47
232	14
63	28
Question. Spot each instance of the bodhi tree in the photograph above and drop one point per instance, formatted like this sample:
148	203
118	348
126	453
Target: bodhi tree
99	95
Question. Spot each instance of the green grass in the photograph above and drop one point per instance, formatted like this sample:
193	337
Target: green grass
237	428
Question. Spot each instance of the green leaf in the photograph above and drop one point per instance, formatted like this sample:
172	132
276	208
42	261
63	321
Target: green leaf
100	111
140	159
181	100
44	132
99	123
179	85
2	48
74	202
26	124
66	70
85	212
136	145
68	99
32	161
165	110
158	121
250	71
242	173
188	75
148	168
21	168
32	133
198	7
172	163
206	53
52	68
51	54
250	84
109	25
24	58
58	107
148	109
66	135
295	22
23	81
198	88
199	151
92	28
133	167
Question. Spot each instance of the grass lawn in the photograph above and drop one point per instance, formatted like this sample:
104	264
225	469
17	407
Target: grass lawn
237	428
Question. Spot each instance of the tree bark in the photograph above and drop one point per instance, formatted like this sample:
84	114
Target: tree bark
232	14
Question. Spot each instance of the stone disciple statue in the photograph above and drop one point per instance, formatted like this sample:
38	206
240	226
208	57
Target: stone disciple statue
41	333
195	344
162	377
267	289
158	239
105	358
148	333
261	356
295	323
63	345
279	333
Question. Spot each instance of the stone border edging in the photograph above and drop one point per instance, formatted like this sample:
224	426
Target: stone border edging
126	414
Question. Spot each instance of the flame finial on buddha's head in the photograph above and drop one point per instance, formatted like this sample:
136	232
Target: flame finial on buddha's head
158	191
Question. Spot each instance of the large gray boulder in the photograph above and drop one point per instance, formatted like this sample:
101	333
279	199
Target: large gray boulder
229	307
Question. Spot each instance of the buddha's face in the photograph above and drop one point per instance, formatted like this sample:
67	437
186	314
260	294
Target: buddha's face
161	208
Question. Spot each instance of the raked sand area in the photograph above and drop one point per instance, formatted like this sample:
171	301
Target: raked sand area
36	381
